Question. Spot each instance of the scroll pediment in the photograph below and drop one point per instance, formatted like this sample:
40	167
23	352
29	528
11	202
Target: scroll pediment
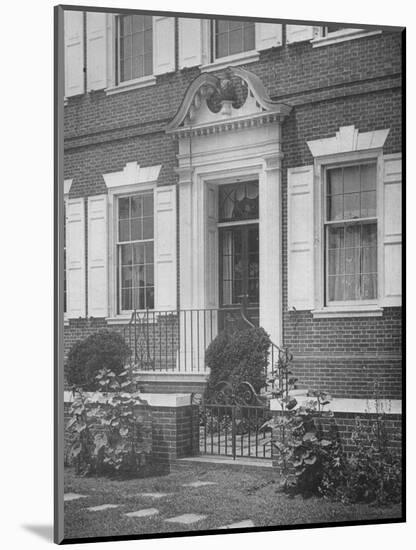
246	106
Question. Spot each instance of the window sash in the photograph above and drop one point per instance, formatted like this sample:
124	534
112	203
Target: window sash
245	28
135	56
144	265
348	222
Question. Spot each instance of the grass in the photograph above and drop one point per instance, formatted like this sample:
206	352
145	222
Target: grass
240	494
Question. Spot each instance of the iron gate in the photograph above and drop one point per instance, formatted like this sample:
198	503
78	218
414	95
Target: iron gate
231	421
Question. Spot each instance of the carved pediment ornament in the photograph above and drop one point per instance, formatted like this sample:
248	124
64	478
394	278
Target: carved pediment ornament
194	116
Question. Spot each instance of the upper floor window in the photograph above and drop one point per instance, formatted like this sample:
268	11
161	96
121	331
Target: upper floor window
135	252
233	37
135	47
351	233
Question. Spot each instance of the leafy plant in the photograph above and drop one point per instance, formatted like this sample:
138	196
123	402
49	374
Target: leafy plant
239	356
79	425
125	444
112	436
104	349
374	471
306	458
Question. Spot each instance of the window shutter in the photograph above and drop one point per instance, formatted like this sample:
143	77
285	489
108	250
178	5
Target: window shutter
75	254
163	45
97	256
300	238
165	247
301	33
392	229
74	53
190	42
268	35
96	51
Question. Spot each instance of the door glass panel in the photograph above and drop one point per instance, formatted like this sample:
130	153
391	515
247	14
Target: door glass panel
239	265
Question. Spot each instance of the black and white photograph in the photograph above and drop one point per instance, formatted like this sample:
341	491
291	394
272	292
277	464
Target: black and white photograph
228	248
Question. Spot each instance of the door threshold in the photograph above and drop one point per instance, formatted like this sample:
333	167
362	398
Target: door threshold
239	461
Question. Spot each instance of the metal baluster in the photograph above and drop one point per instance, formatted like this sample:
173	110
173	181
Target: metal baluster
192	340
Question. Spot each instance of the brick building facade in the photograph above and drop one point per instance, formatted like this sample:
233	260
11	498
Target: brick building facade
240	162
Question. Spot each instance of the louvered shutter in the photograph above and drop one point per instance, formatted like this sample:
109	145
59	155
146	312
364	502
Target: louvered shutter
190	42
300	238
96	51
163	45
75	255
301	33
74	52
392	229
97	256
268	35
165	247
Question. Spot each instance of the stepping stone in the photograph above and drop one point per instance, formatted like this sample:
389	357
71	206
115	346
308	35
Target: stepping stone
102	507
199	484
239	524
143	513
72	496
154	495
186	519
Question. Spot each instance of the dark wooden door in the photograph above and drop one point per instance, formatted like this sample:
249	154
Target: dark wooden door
239	273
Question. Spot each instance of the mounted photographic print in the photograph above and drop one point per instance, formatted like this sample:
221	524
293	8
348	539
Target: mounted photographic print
228	274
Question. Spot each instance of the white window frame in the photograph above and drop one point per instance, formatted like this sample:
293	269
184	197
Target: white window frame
118	244
353	307
342	35
113	196
214	64
114	86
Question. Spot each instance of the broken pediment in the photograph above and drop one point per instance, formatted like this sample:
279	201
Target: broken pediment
235	100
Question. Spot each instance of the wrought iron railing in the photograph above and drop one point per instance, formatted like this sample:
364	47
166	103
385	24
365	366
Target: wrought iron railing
176	340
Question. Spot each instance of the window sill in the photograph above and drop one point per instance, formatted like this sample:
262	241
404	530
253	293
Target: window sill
332	312
131	85
342	36
232	60
125	319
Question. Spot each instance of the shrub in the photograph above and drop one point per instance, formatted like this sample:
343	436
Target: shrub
236	357
374	471
105	349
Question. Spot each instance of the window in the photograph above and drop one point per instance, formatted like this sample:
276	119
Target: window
238	201
232	37
351	233
135	250
135	47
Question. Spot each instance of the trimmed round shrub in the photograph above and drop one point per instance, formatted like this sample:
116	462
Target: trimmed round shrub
239	356
103	349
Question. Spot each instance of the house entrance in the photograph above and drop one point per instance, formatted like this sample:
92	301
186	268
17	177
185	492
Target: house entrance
239	268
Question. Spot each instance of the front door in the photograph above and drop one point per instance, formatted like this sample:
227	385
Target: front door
239	273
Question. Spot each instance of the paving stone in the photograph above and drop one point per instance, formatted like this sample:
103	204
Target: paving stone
199	483
143	513
72	496
154	495
102	507
239	524
186	519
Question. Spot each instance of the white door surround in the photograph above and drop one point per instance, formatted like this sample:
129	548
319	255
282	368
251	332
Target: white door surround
218	148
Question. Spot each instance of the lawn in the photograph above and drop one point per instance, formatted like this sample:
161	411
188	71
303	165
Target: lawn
239	494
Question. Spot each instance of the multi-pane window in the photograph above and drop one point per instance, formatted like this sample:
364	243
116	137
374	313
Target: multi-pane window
232	37
135	46
351	233
135	248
